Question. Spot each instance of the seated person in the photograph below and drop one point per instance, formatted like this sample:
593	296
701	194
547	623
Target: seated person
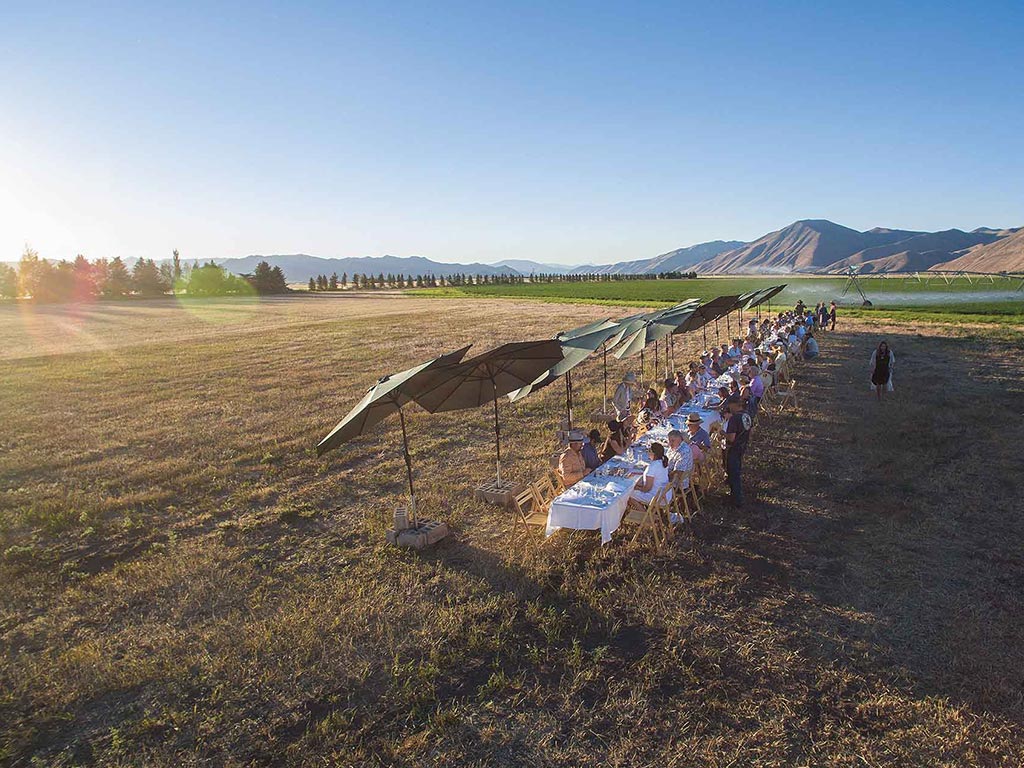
748	347
694	382
810	347
756	382
736	349
590	455
698	436
655	477
571	466
683	393
668	399
680	457
616	443
651	402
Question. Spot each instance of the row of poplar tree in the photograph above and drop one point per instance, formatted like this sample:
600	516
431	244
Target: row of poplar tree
44	281
334	283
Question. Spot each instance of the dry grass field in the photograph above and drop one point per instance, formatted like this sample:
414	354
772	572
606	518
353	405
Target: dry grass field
183	582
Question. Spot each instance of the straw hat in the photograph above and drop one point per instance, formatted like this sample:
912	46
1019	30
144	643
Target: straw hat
629	378
575	435
694	418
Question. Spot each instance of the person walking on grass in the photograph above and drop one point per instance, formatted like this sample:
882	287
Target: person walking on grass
832	314
882	363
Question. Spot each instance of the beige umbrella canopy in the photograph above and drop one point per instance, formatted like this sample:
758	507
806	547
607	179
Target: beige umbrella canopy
484	378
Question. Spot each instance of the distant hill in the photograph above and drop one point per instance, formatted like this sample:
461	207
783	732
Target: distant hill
1003	255
679	260
299	267
526	267
918	252
807	245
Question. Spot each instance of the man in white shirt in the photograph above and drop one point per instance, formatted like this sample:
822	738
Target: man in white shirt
679	461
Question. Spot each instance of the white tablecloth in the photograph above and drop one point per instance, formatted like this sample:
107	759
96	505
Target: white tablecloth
592	503
599	500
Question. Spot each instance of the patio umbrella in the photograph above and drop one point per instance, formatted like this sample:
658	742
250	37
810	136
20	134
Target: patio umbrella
765	295
628	328
706	313
386	397
576	348
585	330
657	326
486	377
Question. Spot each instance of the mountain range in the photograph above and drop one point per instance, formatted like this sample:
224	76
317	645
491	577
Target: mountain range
810	246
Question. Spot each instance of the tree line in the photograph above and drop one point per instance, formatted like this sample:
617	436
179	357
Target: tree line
79	280
335	283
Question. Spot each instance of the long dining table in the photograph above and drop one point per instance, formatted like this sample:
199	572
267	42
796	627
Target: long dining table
598	501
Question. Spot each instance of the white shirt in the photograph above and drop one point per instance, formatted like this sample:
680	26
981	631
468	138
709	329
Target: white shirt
658	473
679	461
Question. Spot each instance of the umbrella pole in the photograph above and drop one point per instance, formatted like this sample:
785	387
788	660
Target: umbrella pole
408	468
655	362
497	434
604	362
572	395
704	333
641	368
568	400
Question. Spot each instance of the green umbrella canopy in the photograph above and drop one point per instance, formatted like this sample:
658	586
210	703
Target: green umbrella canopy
387	396
657	327
628	326
589	328
708	312
483	378
575	349
764	295
746	300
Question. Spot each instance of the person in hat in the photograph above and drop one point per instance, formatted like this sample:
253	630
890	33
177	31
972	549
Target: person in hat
832	315
571	466
737	436
623	397
590	455
699	438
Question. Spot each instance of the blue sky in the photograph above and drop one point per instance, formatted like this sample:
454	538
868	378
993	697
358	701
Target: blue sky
563	132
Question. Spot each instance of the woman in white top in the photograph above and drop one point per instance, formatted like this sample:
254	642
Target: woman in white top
655	477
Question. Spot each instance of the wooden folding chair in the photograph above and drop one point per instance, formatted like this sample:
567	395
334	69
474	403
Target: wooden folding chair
684	491
546	489
652	517
528	511
788	397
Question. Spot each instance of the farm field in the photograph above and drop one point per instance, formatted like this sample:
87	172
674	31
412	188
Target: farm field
183	582
976	298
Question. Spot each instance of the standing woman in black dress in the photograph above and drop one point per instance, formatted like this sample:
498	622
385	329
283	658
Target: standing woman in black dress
882	363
